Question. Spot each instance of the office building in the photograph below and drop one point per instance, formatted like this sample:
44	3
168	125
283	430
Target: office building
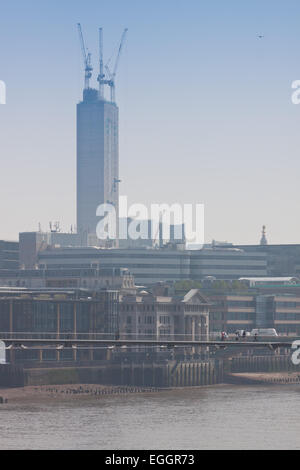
97	160
248	311
9	255
282	260
30	243
149	266
89	278
58	314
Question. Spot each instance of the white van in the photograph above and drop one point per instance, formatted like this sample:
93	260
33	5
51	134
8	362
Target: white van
264	332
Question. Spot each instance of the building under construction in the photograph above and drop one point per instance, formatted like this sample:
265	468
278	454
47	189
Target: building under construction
97	144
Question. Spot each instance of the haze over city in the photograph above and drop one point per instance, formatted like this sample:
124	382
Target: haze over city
149	238
205	110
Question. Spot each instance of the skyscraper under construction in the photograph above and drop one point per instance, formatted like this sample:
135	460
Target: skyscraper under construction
97	146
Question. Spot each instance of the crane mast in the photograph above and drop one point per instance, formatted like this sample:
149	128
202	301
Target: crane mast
86	59
101	75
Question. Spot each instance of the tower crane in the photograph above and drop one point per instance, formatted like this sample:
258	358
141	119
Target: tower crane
112	76
86	59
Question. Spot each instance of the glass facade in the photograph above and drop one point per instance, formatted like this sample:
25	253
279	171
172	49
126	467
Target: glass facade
62	318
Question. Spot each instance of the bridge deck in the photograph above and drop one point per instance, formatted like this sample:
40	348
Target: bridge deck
168	343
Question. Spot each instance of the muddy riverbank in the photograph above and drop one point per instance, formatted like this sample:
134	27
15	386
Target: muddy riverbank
48	392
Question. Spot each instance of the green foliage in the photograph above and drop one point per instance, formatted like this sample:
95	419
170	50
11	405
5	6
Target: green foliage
221	286
186	285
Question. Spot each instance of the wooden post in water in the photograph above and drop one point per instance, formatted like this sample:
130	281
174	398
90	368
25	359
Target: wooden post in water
57	329
75	330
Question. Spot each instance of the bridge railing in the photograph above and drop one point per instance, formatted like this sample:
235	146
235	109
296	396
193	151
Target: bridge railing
42	335
100	336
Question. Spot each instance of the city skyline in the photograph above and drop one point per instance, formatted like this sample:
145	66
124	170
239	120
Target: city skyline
233	146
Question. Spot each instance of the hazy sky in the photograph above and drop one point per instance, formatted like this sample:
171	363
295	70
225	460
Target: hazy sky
205	110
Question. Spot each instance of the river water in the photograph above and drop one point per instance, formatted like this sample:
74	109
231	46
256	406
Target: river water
220	417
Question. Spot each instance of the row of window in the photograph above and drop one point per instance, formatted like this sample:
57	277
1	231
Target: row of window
49	316
288	330
147	332
139	308
231	316
165	332
240	316
151	308
288	304
150	320
193	308
241	303
287	316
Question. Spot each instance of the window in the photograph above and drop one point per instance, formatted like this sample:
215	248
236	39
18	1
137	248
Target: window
164	319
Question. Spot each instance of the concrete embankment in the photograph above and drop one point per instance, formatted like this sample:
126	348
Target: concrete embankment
170	374
161	374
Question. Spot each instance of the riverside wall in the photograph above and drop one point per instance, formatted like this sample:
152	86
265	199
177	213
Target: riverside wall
170	374
166	374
